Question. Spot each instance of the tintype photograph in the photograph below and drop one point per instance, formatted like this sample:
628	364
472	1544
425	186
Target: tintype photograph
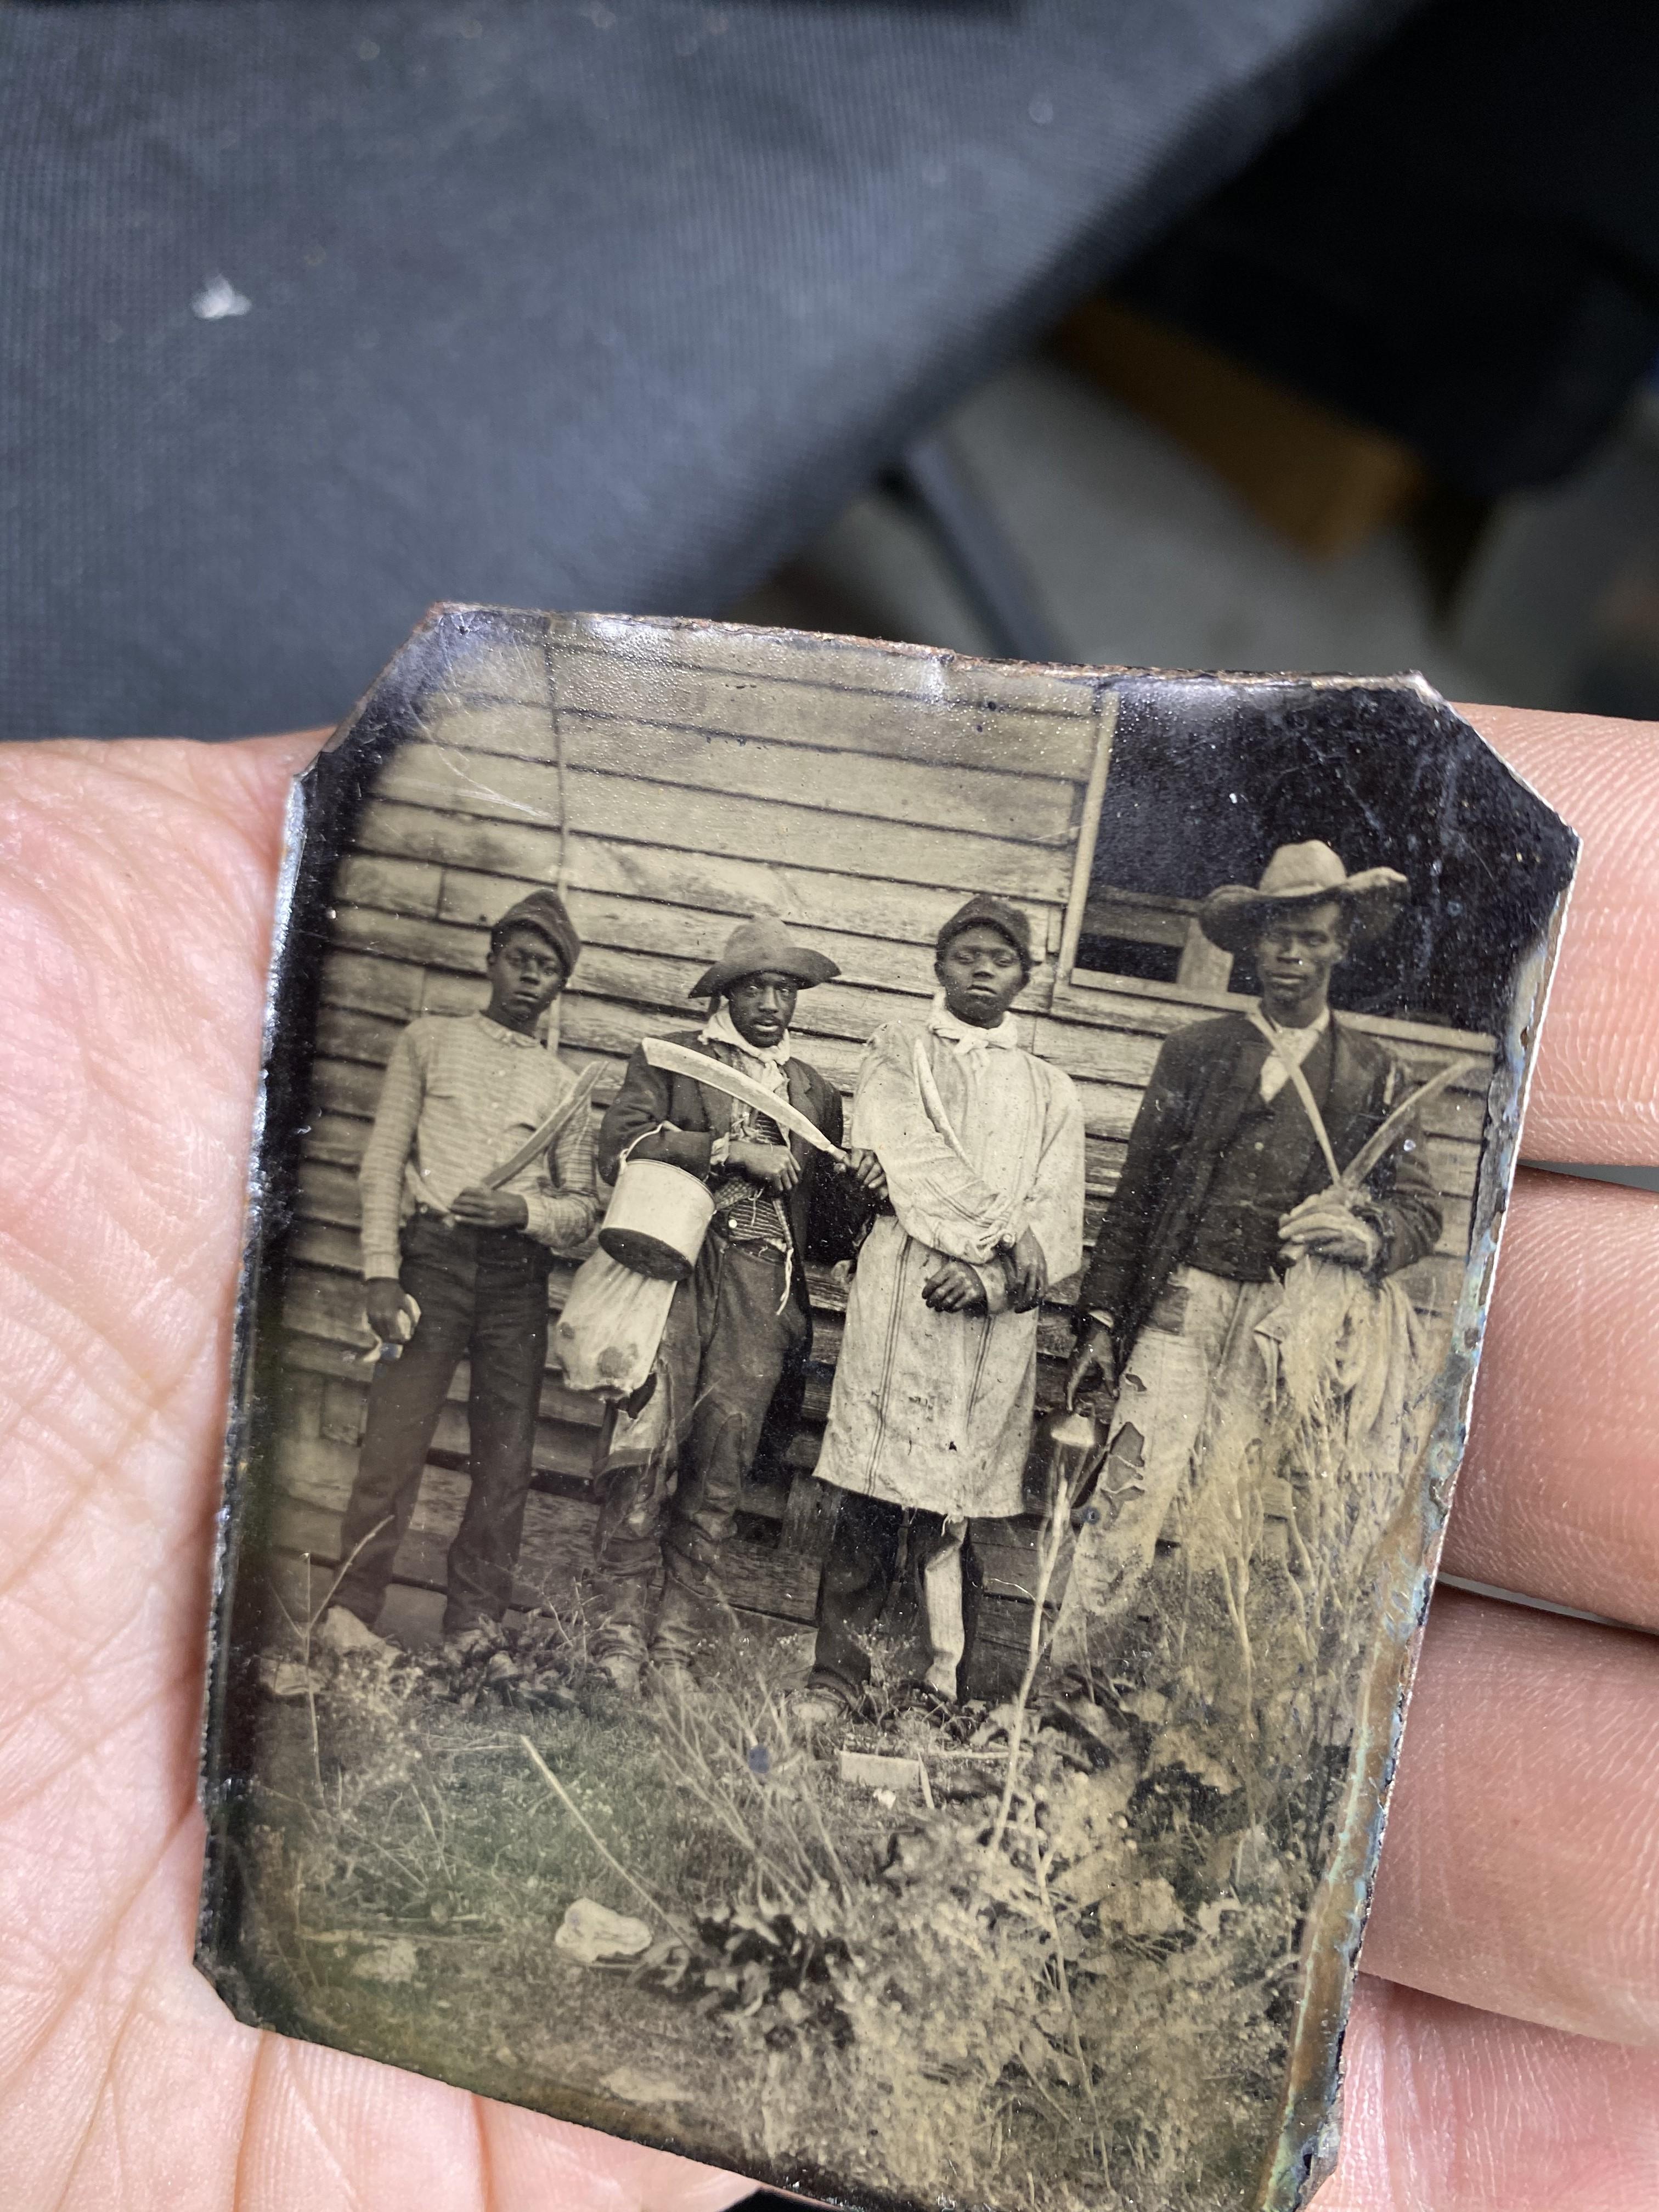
864	1277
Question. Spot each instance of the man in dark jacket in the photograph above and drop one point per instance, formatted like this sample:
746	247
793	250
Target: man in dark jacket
1231	1174
739	1323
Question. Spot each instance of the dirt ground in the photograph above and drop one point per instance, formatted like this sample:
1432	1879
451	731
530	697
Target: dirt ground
1067	1980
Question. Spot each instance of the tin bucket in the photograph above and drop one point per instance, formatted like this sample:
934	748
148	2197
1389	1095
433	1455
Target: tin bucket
656	1220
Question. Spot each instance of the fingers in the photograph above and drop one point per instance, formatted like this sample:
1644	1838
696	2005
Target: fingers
1559	1493
1449	2110
325	2128
1593	1096
534	2162
1518	1870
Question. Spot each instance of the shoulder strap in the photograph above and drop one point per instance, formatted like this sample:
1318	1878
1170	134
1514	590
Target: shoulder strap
1292	1068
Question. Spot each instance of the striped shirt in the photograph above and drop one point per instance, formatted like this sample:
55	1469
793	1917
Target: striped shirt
460	1095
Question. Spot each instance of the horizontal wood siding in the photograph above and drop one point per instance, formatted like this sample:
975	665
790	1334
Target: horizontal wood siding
711	773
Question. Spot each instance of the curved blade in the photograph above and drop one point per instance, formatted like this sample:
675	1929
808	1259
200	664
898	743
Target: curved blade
702	1067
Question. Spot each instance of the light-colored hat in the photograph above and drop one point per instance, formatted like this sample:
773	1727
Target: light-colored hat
1303	875
763	946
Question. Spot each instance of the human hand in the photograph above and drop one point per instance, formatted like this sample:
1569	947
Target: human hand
1328	1226
1026	1266
1514	1913
953	1287
868	1172
773	1165
1092	1364
383	1302
490	1209
134	905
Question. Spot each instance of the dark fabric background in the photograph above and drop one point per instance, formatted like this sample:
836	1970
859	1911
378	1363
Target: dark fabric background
1460	244
600	305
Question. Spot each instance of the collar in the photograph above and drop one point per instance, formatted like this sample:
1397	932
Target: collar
1005	1037
720	1029
499	1033
1297	1039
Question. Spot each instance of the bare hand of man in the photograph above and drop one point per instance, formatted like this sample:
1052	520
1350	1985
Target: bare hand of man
383	1302
953	1287
1092	1364
1329	1228
1515	1918
491	1209
773	1165
868	1172
1027	1269
135	896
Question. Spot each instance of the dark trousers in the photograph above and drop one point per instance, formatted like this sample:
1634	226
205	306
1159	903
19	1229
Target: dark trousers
857	1579
483	1296
730	1331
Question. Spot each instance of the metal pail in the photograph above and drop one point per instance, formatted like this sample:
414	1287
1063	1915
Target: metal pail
656	1220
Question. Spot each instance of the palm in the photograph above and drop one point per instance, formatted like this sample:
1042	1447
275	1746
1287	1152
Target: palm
138	886
1514	1899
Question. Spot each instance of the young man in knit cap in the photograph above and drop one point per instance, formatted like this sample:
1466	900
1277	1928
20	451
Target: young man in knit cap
461	1095
738	1322
1230	1179
981	1144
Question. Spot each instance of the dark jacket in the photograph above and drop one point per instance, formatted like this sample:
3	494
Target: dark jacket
696	1116
1206	1079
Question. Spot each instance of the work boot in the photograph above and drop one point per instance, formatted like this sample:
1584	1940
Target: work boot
462	1644
623	1671
340	1633
816	1709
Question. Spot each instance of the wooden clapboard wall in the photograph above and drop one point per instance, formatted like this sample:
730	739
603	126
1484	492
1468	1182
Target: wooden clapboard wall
677	777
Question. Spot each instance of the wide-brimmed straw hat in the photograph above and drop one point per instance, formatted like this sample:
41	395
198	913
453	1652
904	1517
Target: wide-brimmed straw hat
1303	875
763	946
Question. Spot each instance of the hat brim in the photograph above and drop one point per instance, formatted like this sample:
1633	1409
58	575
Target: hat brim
1232	917
802	967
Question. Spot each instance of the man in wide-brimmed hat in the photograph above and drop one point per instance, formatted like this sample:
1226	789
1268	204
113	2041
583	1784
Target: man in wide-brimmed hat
981	1146
1232	1175
739	1325
455	1265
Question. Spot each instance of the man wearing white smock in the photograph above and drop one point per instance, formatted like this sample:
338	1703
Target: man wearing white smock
930	1419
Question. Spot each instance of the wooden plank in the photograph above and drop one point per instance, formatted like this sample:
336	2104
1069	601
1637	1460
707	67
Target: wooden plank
1081	993
558	1540
892	674
636	652
333	1357
492	786
775	759
648	924
372	879
1063	1031
830	1027
810	897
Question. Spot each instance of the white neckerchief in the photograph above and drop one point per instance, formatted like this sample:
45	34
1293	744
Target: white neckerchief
1298	1043
1005	1037
769	1062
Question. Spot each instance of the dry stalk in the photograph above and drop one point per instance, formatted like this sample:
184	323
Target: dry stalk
1051	1926
613	1862
1054	1525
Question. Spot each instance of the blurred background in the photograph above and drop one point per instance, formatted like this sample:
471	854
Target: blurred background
1282	334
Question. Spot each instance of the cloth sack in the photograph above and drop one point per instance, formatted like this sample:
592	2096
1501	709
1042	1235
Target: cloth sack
607	1336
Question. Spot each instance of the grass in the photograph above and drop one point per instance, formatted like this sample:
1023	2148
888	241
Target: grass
1072	1989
